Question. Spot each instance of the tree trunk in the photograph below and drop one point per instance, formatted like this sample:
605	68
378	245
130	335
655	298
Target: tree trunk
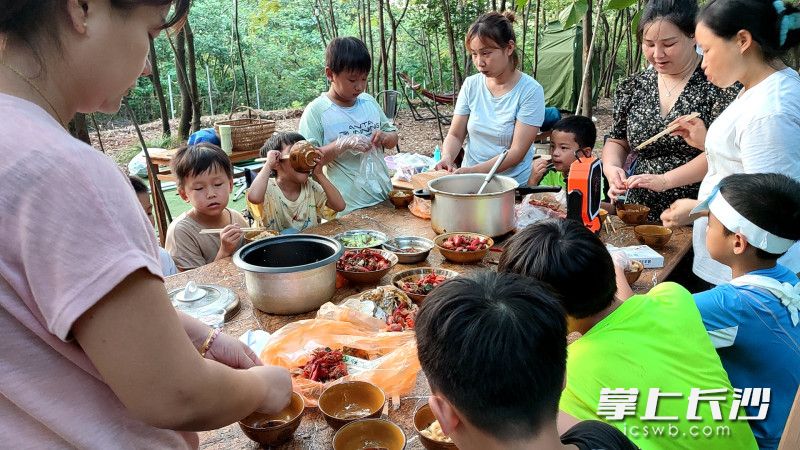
360	22
525	11
629	49
536	38
186	100
439	66
586	107
239	46
192	72
331	13
319	27
373	75
395	23
78	128
384	56
457	77
426	49
494	5
155	78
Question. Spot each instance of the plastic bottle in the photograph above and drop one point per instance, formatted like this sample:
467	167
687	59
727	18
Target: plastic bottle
437	154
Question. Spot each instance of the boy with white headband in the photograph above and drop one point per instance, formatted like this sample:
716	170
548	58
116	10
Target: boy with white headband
753	321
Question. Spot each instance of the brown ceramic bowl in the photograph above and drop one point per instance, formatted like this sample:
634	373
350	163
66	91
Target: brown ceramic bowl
369	433
632	213
416	274
635	272
370	277
274	429
423	418
654	236
346	402
462	257
400	199
252	236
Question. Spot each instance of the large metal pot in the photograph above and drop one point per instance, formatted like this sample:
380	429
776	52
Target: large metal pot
289	274
455	206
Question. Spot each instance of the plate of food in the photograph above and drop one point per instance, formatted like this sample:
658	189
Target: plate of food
418	283
388	304
366	265
355	239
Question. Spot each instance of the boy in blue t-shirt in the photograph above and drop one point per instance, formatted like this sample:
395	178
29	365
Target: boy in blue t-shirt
753	219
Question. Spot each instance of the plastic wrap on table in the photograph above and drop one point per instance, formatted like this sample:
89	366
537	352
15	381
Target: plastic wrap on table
619	257
392	366
542	206
406	165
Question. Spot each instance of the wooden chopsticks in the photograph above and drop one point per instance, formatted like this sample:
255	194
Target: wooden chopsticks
219	230
666	131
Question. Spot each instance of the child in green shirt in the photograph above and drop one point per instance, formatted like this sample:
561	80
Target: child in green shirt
646	364
572	137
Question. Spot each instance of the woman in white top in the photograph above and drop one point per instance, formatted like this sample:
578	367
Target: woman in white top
500	107
742	41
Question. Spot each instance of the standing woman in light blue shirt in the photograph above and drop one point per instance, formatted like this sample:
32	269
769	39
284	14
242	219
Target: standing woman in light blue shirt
499	108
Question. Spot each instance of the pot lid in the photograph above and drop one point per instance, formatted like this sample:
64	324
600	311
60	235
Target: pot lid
205	299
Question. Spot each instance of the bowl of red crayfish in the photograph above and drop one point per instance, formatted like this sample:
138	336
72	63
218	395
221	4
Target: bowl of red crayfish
366	265
418	283
463	248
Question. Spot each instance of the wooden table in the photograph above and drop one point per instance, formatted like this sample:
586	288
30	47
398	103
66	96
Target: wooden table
163	158
314	432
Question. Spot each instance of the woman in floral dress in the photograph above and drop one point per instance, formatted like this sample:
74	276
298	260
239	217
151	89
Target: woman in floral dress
646	103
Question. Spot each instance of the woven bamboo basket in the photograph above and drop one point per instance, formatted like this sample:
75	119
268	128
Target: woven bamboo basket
247	134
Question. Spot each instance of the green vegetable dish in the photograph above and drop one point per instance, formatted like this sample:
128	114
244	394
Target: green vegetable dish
360	240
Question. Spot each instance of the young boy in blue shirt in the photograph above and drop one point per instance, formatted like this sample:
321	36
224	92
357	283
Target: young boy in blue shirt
753	219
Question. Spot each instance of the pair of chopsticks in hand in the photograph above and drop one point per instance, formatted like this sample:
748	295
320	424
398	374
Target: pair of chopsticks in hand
667	130
219	230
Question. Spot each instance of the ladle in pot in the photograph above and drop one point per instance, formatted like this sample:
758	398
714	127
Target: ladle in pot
492	171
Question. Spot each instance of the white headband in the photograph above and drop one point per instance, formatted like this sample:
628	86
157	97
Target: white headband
735	222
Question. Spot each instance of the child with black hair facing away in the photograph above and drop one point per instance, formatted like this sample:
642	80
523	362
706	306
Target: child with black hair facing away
205	180
293	201
143	194
753	219
571	137
349	127
493	348
631	342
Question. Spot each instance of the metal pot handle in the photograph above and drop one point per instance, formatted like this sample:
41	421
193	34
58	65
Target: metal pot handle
423	193
536	189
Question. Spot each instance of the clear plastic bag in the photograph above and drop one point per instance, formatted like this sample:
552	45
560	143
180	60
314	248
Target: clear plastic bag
370	169
537	207
356	143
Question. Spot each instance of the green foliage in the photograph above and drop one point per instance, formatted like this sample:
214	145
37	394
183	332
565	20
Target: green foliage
573	13
283	49
616	5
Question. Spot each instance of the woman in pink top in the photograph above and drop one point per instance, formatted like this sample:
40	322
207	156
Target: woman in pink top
93	353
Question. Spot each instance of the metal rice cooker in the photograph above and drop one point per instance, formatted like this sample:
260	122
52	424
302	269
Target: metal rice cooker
289	274
455	206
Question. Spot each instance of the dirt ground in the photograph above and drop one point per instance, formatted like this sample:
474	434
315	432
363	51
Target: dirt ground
415	136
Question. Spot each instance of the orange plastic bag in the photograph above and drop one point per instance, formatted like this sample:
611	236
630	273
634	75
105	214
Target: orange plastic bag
420	208
393	365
